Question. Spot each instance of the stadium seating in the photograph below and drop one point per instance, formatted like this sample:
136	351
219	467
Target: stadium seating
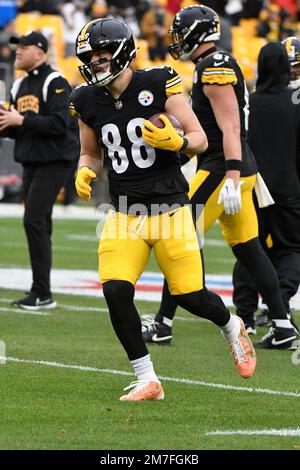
50	25
246	47
68	66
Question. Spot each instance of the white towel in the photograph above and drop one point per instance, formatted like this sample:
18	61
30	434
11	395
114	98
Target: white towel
262	193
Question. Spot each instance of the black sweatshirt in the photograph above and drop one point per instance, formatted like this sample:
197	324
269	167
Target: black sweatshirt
274	124
48	133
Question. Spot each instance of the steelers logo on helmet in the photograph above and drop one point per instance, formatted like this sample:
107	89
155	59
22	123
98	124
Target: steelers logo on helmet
191	27
104	35
292	47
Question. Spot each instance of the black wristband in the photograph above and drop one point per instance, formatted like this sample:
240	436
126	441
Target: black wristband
233	165
184	144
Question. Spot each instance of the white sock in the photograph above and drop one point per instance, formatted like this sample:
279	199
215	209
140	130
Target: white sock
283	324
232	329
143	368
167	322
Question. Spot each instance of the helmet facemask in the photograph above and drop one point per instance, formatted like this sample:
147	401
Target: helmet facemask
294	83
122	52
184	42
189	32
177	48
292	47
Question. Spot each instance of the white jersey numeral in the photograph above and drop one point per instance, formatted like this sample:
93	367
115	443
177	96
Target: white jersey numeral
138	145
143	155
112	139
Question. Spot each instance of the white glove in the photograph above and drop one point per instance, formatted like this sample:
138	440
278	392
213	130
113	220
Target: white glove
231	197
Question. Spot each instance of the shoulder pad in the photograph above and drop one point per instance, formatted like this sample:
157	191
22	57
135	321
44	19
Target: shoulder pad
75	100
168	76
218	70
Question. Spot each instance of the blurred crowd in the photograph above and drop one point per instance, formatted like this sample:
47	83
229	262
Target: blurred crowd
150	19
245	26
242	21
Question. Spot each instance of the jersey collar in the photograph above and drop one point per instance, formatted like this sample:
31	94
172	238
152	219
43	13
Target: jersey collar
205	54
40	69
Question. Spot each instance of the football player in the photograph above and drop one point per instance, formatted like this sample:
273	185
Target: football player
143	169
226	171
273	136
292	45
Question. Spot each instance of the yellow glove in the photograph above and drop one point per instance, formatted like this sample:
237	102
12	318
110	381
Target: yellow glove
83	182
165	138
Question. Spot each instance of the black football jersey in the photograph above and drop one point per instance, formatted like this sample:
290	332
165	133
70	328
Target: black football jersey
135	169
220	69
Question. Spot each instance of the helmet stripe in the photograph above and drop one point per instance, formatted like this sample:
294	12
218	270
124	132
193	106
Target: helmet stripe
84	30
288	45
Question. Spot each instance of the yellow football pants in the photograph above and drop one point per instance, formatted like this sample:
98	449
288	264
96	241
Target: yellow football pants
238	228
126	242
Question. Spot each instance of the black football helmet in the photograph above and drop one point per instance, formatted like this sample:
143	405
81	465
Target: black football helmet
292	46
191	27
104	34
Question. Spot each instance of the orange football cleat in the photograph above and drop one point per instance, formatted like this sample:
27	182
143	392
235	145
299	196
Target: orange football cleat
144	391
243	353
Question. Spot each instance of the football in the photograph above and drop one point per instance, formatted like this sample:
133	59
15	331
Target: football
156	121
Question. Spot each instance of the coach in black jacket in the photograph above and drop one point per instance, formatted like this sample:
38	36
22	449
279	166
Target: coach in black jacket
274	137
46	143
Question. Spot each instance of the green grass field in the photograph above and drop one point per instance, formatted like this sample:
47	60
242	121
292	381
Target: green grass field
46	404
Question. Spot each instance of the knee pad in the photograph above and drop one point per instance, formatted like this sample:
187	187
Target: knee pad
117	292
191	301
247	251
205	304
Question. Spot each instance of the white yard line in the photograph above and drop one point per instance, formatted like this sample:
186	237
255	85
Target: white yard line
224	260
59	212
257	432
91	238
85	238
55	247
214	242
77	308
68	307
25	312
165	378
95	240
12	266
